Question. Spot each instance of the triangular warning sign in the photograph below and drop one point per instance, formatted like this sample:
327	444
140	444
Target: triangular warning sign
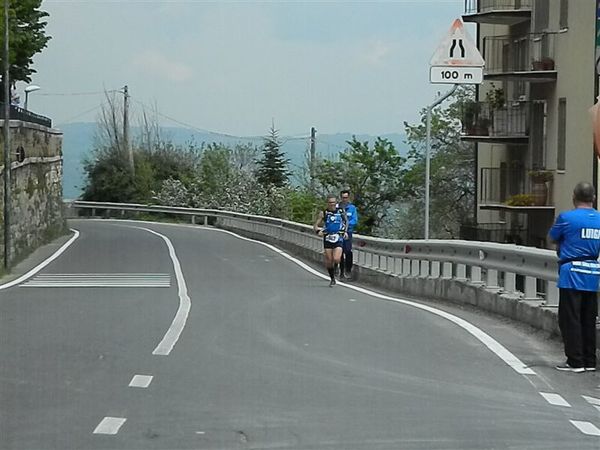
457	49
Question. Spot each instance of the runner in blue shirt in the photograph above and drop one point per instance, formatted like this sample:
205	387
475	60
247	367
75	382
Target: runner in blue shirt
577	235
352	214
332	225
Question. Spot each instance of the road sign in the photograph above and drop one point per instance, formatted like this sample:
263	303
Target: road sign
456	75
457	59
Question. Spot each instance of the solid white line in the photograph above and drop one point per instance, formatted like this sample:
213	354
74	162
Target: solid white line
172	336
141	381
511	360
555	399
586	427
592	400
110	425
40	266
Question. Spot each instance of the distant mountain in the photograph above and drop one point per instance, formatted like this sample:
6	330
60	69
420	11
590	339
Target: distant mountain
78	145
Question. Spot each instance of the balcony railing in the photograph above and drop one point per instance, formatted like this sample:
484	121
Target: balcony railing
493	232
515	187
518	55
481	6
17	113
506	12
482	119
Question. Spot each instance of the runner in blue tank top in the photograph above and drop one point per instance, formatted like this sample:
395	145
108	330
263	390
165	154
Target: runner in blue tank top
577	235
332	224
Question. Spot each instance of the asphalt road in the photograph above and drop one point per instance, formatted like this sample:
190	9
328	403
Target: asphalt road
195	339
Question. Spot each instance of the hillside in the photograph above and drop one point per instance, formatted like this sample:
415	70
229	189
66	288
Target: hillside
78	145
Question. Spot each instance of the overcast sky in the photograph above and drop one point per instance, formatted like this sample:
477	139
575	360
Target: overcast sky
232	67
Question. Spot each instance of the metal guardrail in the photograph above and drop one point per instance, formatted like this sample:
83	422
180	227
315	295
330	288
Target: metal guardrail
495	266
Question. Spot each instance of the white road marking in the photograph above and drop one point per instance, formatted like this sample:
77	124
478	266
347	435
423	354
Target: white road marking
511	360
110	425
592	400
140	280
586	427
555	399
185	304
141	381
352	299
43	264
200	432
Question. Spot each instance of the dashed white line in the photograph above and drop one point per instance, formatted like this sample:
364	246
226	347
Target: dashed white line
555	399
141	381
586	427
592	400
110	425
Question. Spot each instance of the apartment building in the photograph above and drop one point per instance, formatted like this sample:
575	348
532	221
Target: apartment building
530	123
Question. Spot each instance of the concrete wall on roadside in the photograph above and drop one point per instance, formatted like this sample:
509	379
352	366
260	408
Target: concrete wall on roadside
36	212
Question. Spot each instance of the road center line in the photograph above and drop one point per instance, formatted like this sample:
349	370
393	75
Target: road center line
172	336
141	381
586	427
110	425
504	354
555	399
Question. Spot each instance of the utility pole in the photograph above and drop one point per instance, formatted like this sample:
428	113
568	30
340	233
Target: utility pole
6	132
313	133
127	145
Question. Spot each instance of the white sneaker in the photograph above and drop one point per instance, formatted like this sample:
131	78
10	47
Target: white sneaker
567	368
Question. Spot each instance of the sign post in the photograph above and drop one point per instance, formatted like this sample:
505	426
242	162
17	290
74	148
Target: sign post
456	61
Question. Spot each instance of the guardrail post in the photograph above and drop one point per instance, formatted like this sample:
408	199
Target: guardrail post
414	267
406	263
447	270
435	269
492	279
510	282
531	288
476	275
552	293
424	273
193	219
461	272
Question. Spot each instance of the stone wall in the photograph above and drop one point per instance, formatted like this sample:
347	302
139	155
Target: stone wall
36	213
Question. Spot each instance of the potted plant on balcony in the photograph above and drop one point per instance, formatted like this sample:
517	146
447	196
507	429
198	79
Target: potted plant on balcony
539	188
547	63
520	200
470	113
498	114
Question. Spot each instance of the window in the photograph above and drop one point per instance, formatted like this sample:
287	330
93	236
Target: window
562	134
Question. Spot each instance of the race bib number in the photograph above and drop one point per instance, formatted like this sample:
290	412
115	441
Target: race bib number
333	238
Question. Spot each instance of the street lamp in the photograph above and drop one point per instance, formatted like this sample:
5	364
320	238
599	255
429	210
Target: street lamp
28	89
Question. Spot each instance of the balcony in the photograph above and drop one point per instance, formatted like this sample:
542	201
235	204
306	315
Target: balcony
506	124
528	57
517	189
500	12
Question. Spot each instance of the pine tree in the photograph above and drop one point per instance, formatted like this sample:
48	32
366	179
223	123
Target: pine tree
273	166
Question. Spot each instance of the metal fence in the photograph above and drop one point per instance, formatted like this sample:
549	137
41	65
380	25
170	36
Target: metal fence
17	113
514	187
482	6
503	267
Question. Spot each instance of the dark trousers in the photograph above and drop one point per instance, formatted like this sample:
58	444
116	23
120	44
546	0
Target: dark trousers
346	261
577	311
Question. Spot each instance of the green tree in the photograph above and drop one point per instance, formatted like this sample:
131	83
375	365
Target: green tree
273	166
452	176
26	36
373	175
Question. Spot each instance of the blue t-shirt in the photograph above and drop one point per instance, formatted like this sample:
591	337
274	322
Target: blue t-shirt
334	222
352	215
578	234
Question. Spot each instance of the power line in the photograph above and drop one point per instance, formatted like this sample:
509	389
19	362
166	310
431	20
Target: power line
80	114
68	94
